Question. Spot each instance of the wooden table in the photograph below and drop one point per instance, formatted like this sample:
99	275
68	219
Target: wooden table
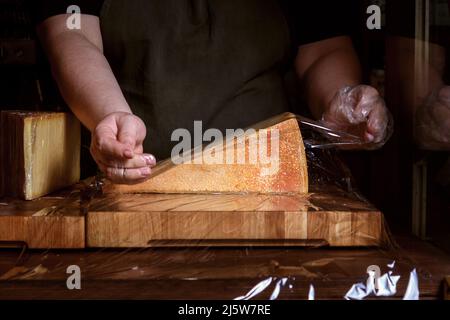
221	273
194	272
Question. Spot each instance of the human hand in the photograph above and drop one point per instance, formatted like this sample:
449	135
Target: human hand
116	147
360	111
432	121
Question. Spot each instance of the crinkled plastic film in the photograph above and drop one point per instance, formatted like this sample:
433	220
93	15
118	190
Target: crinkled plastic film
432	129
217	268
359	110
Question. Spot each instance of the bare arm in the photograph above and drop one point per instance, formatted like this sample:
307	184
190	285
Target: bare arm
91	90
324	67
82	72
331	77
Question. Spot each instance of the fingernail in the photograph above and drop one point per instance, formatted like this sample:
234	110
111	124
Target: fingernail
128	153
150	160
145	171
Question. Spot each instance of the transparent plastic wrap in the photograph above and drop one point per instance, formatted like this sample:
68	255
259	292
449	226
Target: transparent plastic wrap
432	121
230	245
359	110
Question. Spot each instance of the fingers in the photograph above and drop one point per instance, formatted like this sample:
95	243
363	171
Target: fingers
131	133
371	110
361	111
104	140
351	106
377	123
127	136
129	171
119	136
139	149
117	148
368	101
138	161
126	176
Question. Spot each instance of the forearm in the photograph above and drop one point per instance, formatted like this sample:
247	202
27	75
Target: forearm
85	78
323	73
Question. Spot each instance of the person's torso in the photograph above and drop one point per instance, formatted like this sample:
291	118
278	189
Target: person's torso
177	61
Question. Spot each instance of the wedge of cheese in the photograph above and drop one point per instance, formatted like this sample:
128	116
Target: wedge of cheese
40	153
269	157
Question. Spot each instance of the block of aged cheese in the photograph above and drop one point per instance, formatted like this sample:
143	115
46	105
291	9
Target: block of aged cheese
40	153
269	157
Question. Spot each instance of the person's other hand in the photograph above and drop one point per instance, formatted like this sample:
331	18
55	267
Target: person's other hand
360	111
432	129
117	148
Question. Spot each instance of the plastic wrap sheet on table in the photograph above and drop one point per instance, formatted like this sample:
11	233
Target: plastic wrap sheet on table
217	273
227	272
250	272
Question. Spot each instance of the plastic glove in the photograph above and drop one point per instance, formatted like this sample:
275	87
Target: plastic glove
432	121
362	112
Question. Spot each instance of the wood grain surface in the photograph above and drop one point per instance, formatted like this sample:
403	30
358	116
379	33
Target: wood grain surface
141	220
46	223
146	220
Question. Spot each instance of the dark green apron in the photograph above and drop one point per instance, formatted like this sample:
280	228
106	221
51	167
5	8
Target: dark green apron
219	61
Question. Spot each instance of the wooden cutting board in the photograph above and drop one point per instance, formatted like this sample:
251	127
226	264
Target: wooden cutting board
145	220
49	222
140	220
